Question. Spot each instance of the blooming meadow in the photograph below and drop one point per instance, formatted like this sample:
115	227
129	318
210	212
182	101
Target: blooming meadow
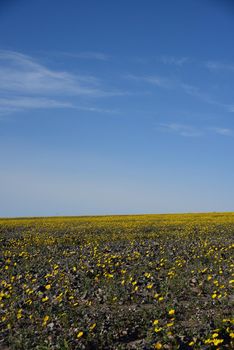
117	282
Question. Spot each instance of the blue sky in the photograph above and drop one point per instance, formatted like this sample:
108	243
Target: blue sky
116	107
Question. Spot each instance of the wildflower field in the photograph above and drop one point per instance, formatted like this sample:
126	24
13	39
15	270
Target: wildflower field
117	282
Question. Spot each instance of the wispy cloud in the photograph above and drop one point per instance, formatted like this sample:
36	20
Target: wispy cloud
88	55
25	83
175	84
96	109
14	104
215	66
192	131
222	131
20	73
180	129
198	93
163	59
175	61
153	79
163	82
169	83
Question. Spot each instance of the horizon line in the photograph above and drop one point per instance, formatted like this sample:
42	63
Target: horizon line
109	215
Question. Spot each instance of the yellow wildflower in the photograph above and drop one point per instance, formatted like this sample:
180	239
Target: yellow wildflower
92	326
158	329
217	341
44	299
45	319
171	312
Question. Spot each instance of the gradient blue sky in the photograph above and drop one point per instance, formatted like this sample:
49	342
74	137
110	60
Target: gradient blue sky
116	107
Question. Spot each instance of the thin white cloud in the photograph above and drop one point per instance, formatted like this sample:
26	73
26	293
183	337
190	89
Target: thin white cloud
14	104
173	84
20	73
175	61
153	79
222	131
164	59
192	131
167	83
180	129
89	55
96	109
26	84
32	102
201	95
216	66
164	82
